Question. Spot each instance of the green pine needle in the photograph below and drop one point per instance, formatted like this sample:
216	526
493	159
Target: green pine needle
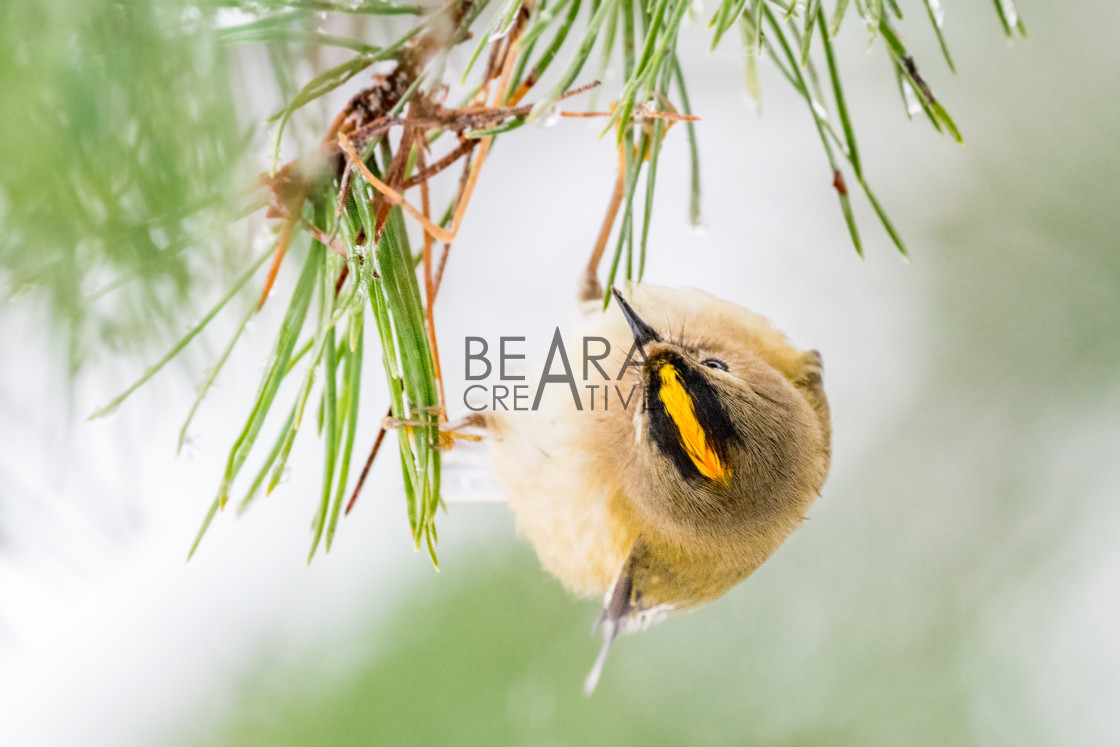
378	276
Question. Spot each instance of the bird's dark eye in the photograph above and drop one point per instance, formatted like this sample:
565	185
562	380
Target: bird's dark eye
716	364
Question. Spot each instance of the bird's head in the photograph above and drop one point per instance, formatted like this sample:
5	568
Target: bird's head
732	433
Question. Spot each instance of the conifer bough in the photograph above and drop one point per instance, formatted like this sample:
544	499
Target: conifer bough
355	196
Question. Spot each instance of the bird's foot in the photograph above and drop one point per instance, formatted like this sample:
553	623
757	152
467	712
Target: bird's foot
449	431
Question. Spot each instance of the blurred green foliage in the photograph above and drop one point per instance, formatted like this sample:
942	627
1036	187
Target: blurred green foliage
118	142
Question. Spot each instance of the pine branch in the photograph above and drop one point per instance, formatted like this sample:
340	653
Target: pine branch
351	200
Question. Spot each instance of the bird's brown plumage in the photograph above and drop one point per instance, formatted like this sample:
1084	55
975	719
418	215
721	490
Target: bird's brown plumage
604	495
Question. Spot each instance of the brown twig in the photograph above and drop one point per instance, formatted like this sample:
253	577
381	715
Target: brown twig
429	285
282	242
369	463
342	275
425	173
343	192
321	236
484	146
453	120
390	194
457	120
608	223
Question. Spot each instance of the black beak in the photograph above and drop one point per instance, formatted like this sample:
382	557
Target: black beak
643	333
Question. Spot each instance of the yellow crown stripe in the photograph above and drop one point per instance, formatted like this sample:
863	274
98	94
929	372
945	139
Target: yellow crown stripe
692	437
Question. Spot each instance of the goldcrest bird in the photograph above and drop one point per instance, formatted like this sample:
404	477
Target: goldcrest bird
666	504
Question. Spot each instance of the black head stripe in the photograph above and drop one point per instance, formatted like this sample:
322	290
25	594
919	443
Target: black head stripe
706	404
